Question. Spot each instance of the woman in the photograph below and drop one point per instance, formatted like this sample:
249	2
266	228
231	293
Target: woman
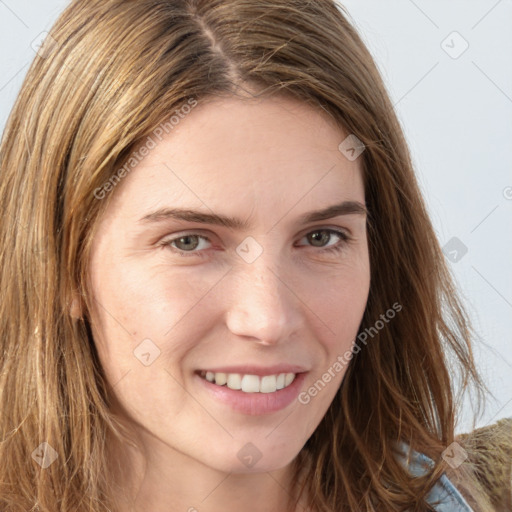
296	356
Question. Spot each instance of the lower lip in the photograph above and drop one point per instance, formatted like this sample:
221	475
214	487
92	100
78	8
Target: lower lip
254	404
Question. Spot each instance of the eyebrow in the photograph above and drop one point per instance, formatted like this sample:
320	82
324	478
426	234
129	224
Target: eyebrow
184	214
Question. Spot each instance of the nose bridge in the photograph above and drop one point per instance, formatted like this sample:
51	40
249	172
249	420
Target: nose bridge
262	306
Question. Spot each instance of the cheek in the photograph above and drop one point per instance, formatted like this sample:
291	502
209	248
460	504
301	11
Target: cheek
344	308
142	334
342	301
341	309
142	309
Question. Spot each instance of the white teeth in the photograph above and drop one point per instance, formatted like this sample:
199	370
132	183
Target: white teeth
268	384
221	379
251	383
234	381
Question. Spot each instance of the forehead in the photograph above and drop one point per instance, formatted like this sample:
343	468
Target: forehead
244	154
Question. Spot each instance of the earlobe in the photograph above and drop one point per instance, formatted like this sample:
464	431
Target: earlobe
75	309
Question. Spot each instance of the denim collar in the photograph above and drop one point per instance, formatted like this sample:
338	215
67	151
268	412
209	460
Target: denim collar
444	496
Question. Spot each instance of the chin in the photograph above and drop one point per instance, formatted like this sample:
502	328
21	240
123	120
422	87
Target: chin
251	459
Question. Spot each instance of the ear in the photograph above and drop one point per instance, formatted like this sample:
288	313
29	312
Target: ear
75	308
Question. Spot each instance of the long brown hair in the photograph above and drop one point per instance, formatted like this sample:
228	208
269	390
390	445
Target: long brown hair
109	74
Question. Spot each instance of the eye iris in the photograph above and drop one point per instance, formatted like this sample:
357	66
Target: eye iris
188	237
323	235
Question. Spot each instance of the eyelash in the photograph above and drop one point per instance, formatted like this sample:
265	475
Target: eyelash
332	249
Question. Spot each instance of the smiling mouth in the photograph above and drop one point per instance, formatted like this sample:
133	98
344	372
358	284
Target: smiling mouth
248	383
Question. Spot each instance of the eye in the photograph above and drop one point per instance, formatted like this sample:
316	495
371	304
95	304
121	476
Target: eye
192	244
320	236
188	242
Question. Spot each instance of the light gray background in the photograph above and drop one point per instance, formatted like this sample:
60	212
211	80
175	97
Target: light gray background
457	114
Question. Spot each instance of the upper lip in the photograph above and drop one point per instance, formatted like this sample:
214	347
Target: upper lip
250	369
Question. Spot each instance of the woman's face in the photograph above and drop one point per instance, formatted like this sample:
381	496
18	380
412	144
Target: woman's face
267	296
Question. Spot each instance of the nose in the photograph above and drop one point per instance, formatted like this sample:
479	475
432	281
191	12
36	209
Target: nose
262	304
